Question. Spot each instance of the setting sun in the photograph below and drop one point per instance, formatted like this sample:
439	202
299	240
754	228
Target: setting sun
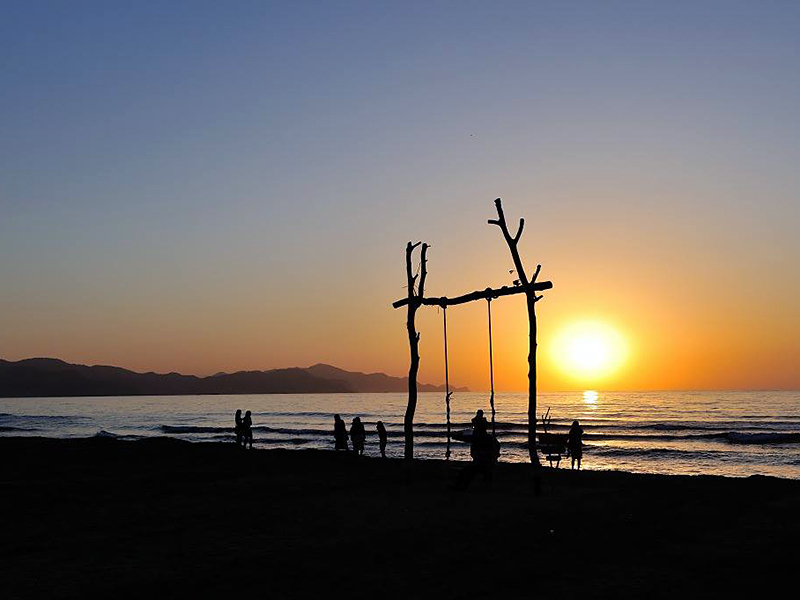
589	351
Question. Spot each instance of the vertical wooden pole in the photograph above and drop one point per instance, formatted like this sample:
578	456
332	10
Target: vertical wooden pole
414	302
491	363
447	392
531	300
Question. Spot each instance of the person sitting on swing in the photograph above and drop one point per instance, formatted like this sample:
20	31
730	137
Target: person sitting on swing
482	449
482	446
481	442
479	423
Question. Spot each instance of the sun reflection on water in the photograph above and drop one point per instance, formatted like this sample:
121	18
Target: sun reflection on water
590	397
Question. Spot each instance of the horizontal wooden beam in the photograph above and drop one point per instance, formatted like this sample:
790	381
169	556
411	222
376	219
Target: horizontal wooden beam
478	295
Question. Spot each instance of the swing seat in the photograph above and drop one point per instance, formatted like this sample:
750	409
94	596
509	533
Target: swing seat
464	435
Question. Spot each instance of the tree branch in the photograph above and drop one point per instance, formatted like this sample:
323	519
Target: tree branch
477	295
536	273
423	270
410	277
519	231
512	242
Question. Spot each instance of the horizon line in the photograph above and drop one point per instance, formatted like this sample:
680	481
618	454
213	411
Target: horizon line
468	390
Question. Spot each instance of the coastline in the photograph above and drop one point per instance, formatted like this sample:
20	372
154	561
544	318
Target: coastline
100	516
637	433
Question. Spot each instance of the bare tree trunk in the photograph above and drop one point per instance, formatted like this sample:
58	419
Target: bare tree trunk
532	342
414	302
408	421
531	300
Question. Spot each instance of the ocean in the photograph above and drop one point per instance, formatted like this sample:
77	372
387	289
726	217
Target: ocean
714	433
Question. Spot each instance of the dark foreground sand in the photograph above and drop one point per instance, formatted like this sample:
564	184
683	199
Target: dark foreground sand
164	518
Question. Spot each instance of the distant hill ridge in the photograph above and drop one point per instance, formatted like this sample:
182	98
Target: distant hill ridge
39	377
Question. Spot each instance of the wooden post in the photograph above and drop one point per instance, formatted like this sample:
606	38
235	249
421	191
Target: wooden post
531	300
414	302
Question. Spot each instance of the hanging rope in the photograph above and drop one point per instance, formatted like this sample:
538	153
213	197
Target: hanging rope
446	383
491	361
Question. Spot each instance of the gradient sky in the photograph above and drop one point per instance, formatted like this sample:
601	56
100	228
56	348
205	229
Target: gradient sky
204	186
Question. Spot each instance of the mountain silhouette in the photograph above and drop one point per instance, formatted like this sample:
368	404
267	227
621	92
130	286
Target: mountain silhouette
370	382
41	377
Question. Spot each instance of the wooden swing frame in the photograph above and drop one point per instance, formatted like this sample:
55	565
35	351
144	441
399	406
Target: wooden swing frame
416	298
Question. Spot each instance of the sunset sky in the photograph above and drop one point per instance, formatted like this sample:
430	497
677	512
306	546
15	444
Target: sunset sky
206	186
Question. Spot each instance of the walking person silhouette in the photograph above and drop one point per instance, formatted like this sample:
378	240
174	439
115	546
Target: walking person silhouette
247	430
575	444
238	427
358	435
339	433
382	437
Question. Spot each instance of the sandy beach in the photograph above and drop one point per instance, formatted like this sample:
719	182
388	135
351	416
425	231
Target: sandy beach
102	517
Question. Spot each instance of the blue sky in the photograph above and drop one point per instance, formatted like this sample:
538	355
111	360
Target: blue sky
186	167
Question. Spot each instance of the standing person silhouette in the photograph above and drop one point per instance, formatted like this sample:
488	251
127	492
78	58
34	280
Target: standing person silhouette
238	427
575	443
358	435
247	425
339	433
382	437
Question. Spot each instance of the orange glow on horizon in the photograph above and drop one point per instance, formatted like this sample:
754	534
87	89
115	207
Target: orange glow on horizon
697	332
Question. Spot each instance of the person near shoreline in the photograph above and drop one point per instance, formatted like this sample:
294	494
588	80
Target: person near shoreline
483	449
575	443
358	435
480	433
238	427
382	437
479	423
339	433
247	430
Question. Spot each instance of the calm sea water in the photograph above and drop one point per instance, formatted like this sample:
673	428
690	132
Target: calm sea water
721	433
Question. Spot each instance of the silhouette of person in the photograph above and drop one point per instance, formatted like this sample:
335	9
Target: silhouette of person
479	433
575	443
382	437
339	433
358	435
484	450
247	431
238	428
479	423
